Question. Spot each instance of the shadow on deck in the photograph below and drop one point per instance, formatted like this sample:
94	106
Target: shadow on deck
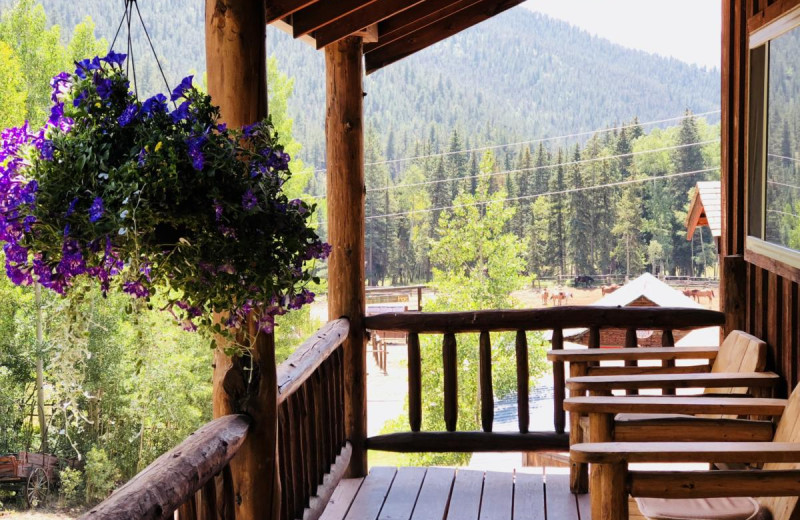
456	494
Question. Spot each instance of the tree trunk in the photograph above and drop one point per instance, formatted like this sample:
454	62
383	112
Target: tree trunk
40	369
344	134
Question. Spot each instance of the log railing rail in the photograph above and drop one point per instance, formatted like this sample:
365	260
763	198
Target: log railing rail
176	477
448	324
194	479
313	452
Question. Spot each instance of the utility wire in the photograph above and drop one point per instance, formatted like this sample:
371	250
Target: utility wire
544	167
545	194
539	140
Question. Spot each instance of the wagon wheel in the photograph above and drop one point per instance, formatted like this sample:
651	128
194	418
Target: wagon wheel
37	488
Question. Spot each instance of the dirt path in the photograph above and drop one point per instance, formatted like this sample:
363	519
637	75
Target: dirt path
35	515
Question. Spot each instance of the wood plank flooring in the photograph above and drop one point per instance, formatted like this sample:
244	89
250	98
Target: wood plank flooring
455	494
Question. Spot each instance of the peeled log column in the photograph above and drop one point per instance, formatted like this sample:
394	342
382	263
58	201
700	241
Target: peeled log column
344	136
236	56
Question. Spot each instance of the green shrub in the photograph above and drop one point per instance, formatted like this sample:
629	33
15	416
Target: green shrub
101	475
71	484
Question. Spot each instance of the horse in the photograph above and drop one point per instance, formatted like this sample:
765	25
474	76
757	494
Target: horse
707	293
691	293
583	281
608	289
560	297
545	297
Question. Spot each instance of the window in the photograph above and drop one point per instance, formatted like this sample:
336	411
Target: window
774	142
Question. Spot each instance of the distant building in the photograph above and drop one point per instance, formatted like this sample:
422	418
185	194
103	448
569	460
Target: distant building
644	291
705	210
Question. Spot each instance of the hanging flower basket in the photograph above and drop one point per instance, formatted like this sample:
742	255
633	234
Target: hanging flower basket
150	198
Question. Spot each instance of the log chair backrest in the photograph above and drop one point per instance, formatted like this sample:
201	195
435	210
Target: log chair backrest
740	352
788	430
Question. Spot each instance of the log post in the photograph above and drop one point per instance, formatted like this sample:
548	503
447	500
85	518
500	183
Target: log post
237	82
344	137
733	293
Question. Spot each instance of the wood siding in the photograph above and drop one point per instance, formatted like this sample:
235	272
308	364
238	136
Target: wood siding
768	291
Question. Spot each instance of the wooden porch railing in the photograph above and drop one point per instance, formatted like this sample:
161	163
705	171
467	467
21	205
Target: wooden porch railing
558	319
313	452
194	478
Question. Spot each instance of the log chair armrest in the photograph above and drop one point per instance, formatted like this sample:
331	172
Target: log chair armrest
632	354
681	405
700	380
684	452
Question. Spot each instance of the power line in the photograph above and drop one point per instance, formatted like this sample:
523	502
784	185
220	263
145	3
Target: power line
544	167
539	140
545	194
776	156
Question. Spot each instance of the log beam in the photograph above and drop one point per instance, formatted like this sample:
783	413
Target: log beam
344	135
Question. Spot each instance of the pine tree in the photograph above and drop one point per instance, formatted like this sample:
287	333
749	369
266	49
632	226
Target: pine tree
687	158
456	166
377	230
557	237
580	225
439	193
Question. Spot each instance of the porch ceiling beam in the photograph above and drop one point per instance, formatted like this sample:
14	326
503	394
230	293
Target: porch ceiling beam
414	19
277	9
361	18
320	14
436	32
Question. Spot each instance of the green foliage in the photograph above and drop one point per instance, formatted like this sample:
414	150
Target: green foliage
477	264
101	475
13	93
70	486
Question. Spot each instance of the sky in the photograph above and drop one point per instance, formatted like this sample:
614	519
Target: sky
689	30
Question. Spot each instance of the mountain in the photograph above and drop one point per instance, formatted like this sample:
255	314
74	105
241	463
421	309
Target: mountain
518	76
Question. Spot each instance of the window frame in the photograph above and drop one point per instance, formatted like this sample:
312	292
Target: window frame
783	260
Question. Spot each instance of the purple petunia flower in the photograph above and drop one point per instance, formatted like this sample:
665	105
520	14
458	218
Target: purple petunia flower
104	88
81	97
249	200
154	105
195	145
71	208
47	150
96	210
142	157
128	115
136	289
217	210
61	84
180	113
180	90
115	58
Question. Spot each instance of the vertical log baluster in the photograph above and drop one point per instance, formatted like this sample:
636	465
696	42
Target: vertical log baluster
523	380
450	360
330	434
209	494
594	337
311	425
485	378
631	342
320	417
668	340
285	452
414	383
308	443
559	418
340	395
298	477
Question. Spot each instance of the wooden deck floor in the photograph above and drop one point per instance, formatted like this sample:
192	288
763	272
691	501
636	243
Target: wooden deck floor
455	494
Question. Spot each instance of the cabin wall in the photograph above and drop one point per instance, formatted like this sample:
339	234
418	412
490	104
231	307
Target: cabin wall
760	295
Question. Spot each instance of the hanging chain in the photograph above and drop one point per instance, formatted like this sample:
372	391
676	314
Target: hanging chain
127	18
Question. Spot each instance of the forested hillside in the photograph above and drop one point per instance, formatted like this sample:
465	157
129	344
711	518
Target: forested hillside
518	76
